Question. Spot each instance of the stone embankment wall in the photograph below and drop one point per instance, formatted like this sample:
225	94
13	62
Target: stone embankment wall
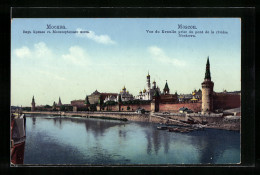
213	120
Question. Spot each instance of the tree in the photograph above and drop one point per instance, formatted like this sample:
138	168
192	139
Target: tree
87	101
93	107
119	98
62	108
47	106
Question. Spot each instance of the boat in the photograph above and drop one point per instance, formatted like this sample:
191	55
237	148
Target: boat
182	130
174	129
18	136
162	127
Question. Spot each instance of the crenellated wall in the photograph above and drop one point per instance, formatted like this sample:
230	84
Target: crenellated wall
196	107
226	101
220	101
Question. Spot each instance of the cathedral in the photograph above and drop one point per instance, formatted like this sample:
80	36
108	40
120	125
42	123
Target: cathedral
125	96
147	94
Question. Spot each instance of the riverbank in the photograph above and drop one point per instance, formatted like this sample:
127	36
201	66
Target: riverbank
209	121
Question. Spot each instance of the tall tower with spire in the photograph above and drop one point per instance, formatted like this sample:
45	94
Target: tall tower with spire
59	103
207	91
148	82
33	104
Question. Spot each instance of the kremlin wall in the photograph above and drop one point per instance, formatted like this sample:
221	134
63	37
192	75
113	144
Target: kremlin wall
153	100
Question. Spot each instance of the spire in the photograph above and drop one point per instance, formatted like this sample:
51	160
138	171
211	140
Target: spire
207	73
33	99
166	89
59	103
148	76
166	85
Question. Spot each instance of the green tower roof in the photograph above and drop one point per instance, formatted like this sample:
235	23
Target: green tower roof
207	73
166	85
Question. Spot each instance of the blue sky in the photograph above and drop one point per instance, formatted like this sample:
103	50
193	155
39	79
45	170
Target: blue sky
118	52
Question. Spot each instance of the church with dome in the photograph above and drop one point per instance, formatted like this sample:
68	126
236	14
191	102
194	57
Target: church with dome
148	92
125	95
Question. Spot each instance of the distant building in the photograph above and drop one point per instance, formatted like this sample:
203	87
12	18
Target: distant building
125	95
97	97
166	97
147	94
110	98
78	103
184	97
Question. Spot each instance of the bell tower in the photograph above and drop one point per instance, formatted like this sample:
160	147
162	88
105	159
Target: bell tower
148	82
207	91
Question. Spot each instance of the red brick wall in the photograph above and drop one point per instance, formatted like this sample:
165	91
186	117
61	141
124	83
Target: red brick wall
196	107
134	107
226	101
78	103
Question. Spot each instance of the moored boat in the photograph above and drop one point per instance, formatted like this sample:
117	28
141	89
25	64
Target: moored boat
162	127
18	135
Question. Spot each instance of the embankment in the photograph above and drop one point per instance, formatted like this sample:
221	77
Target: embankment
213	121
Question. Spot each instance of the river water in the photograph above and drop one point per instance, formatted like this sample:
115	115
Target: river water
84	141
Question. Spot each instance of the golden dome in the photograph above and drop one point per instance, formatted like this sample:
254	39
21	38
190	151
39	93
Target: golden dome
140	92
148	74
144	90
124	88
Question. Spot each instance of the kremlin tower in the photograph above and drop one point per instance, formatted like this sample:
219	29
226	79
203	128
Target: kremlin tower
33	104
59	103
207	91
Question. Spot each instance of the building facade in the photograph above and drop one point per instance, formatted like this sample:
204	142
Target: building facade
125	95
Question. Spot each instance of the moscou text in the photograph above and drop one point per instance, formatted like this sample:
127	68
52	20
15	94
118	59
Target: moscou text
50	26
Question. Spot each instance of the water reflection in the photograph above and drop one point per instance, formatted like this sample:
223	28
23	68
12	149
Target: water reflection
213	143
58	122
97	141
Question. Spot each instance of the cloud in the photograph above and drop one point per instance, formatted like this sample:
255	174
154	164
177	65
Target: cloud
22	52
77	56
40	50
52	75
103	39
159	55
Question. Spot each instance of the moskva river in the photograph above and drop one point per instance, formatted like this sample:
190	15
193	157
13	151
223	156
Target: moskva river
84	141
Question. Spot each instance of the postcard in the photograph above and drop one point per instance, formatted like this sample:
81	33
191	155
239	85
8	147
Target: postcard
125	91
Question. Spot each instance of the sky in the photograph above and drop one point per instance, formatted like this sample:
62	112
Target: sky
118	52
